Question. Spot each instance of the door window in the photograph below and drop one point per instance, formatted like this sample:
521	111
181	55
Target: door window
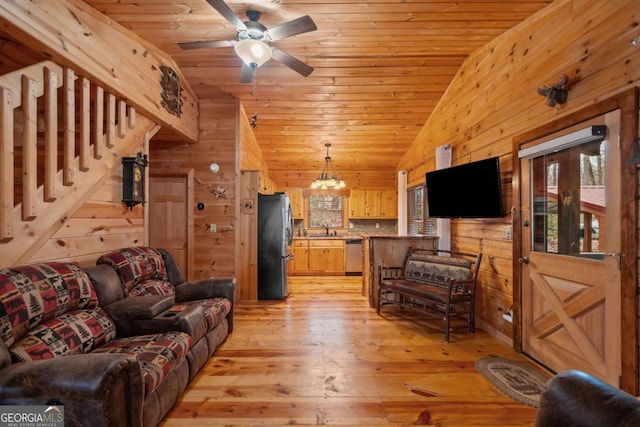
568	190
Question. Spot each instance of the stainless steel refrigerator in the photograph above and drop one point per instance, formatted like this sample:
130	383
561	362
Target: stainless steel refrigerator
275	231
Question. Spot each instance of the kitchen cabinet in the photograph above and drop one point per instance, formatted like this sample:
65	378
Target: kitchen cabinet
357	204
318	256
297	202
389	203
373	204
300	251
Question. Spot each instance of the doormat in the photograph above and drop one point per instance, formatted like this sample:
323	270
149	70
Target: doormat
517	380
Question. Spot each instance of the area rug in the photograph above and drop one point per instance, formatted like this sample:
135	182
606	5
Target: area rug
517	380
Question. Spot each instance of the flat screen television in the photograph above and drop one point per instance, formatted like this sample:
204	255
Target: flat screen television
472	190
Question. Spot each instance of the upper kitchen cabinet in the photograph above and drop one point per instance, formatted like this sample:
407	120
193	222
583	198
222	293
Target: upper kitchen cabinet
373	204
297	202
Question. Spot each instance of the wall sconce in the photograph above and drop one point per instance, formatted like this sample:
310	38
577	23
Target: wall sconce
133	179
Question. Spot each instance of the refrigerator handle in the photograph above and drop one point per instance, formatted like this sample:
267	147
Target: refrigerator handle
290	225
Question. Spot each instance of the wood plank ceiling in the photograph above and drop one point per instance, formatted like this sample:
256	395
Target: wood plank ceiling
381	66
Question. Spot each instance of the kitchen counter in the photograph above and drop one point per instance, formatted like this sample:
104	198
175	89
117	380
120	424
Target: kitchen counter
363	236
339	237
395	236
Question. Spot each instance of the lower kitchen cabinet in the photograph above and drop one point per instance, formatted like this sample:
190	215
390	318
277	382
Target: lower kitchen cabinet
318	256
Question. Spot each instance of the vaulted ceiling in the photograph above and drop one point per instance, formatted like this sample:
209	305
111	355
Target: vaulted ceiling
380	67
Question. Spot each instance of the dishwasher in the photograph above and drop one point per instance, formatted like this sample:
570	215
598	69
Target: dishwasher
353	257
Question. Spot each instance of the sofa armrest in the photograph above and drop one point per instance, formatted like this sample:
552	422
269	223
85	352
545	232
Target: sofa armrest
574	398
139	308
209	288
206	288
189	319
95	389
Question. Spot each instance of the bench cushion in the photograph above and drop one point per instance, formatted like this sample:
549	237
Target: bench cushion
436	269
427	291
32	294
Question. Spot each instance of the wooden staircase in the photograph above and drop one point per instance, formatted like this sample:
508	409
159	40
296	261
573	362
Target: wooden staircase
61	137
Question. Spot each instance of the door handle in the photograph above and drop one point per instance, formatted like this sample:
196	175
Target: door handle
617	255
523	260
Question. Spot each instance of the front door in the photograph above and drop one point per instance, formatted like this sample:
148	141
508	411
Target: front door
571	253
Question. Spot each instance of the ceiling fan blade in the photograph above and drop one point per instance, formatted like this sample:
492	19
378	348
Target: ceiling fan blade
246	73
228	14
291	62
304	24
206	44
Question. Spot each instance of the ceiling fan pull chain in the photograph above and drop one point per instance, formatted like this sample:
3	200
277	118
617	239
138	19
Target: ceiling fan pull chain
254	117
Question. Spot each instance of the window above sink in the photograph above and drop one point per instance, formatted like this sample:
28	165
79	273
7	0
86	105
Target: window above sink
326	211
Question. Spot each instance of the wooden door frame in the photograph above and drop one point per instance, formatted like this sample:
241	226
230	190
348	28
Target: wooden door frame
627	103
188	174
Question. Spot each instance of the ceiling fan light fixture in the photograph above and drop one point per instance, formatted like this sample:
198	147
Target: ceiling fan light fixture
253	52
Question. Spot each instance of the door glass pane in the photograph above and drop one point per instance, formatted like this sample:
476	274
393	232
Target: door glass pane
569	201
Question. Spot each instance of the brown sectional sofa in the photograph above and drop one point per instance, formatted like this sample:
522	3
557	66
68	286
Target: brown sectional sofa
116	343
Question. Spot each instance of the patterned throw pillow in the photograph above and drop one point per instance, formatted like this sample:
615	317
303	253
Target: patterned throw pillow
34	293
75	332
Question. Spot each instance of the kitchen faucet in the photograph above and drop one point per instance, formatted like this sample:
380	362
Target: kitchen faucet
326	229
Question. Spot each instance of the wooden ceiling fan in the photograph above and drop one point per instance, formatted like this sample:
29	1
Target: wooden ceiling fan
254	40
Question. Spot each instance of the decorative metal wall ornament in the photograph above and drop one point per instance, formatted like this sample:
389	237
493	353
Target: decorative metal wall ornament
219	192
171	91
555	93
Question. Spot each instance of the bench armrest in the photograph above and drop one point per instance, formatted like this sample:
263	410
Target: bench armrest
389	272
462	286
95	389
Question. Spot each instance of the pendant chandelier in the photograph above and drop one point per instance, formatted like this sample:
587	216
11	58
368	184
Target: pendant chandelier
328	178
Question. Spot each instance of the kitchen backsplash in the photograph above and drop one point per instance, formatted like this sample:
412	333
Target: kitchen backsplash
356	226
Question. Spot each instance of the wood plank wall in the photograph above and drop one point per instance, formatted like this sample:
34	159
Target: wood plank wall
493	99
70	32
214	252
101	225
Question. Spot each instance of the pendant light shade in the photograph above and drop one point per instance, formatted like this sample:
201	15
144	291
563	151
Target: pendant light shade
253	52
328	177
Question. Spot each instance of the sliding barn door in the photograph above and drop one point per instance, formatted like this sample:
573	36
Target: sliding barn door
570	199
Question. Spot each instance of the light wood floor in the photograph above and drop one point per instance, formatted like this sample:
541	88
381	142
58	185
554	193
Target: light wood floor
324	357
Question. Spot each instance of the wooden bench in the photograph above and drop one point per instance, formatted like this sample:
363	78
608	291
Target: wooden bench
439	283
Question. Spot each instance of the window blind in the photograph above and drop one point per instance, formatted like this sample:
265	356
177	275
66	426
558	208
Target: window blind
415	210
